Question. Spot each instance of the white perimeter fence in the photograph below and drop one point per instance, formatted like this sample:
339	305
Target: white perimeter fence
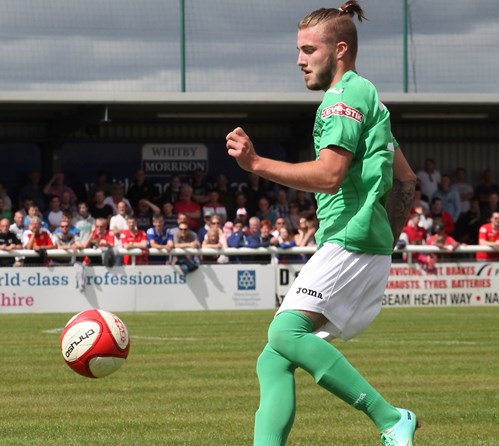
274	252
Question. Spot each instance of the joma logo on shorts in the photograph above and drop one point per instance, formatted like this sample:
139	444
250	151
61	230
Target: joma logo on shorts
309	292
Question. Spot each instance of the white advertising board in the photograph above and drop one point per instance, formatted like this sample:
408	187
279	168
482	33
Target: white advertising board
139	288
225	287
461	284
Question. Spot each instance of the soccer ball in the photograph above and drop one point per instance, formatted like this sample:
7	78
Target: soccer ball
95	343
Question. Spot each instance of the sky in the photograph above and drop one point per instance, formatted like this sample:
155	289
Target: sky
236	45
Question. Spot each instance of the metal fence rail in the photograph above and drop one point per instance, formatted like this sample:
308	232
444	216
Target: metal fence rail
272	251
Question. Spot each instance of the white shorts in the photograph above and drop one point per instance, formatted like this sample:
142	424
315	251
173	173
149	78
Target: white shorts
346	287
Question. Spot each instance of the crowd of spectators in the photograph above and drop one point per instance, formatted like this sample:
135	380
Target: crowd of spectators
448	211
187	214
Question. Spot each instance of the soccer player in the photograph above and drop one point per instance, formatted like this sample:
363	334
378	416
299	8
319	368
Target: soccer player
364	189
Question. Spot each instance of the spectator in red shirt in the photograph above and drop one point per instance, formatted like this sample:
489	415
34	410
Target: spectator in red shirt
444	241
134	238
214	206
186	205
488	235
38	239
415	234
101	237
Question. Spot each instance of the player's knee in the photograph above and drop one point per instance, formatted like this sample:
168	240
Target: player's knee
279	337
285	330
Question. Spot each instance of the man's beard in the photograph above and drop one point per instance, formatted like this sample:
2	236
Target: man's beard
324	77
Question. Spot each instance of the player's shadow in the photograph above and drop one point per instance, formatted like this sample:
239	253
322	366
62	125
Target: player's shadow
89	292
206	279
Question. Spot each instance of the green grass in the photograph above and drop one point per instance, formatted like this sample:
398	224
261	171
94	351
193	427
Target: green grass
190	380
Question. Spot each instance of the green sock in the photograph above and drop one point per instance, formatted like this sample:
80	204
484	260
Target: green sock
290	335
275	415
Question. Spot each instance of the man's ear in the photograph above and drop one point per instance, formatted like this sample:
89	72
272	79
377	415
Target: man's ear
341	49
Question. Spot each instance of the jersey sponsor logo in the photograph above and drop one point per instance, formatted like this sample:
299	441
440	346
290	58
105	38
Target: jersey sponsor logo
309	292
340	109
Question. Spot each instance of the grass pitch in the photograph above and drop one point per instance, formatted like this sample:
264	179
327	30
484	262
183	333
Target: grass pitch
190	380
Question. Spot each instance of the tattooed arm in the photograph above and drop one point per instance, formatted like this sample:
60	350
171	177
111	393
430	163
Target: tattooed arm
400	199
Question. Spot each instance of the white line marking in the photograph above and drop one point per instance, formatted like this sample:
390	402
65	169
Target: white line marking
159	338
145	338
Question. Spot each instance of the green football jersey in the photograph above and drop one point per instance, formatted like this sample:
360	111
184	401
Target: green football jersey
352	117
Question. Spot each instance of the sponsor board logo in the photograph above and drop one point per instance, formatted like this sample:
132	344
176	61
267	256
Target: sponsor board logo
246	280
160	160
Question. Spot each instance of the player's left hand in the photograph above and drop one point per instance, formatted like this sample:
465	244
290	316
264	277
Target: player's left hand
240	147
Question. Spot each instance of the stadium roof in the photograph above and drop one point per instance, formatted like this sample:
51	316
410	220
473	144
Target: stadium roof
147	106
54	116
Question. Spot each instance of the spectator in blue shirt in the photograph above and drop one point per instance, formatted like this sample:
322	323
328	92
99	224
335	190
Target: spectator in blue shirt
249	239
159	237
